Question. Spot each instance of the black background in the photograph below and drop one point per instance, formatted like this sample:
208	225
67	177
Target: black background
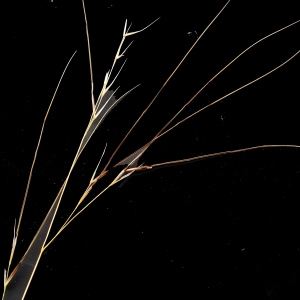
221	227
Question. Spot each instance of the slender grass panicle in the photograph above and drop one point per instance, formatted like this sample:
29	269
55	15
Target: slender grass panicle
168	166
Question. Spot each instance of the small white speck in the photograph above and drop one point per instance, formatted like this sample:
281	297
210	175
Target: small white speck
190	33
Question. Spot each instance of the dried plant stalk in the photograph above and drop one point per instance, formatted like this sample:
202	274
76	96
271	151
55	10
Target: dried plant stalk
16	281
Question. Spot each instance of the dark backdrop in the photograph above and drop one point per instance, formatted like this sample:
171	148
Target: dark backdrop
221	227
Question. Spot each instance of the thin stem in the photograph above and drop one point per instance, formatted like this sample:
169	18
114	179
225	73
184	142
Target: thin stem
33	163
72	216
165	83
90	59
215	76
161	132
220	154
218	100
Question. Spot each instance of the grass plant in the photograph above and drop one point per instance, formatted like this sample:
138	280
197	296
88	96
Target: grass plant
113	166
